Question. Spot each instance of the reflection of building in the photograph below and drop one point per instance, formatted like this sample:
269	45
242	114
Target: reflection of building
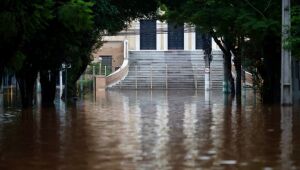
170	54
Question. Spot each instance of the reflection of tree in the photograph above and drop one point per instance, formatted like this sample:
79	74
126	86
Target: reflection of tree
18	138
176	111
204	132
49	137
228	131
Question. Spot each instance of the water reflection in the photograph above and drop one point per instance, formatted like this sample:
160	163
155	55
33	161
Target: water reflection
286	138
151	130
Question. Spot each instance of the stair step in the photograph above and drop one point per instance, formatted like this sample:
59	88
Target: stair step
183	70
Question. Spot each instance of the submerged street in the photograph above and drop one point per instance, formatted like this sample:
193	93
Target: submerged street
150	130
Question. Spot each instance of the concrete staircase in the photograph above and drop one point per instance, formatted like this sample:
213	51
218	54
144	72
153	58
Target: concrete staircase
170	70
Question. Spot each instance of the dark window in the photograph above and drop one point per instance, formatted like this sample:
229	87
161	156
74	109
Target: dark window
175	37
199	40
203	41
106	61
147	34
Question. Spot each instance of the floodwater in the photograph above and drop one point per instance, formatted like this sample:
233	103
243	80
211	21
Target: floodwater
150	130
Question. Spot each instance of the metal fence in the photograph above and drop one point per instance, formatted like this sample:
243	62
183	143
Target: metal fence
86	81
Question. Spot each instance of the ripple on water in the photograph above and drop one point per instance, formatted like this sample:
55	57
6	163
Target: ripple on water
139	130
204	158
228	162
211	152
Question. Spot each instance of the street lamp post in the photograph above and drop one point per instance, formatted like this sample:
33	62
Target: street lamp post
65	67
286	59
100	62
207	59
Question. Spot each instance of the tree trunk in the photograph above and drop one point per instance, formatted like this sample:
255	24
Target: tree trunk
271	70
227	71
26	78
48	87
74	74
238	70
229	86
1	77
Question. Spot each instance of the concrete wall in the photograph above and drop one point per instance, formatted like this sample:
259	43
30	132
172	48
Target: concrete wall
114	49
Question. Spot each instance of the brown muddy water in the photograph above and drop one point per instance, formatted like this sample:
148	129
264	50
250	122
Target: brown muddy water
150	130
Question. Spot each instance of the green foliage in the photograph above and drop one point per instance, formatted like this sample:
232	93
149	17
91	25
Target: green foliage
232	21
76	15
19	22
246	28
16	62
87	85
295	32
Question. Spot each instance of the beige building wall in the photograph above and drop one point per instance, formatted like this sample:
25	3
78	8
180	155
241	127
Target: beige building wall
132	35
114	49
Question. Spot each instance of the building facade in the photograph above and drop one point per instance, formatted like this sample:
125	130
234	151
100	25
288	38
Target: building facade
163	55
161	36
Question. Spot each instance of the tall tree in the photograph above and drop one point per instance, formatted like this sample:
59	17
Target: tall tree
110	17
19	22
234	24
38	36
295	30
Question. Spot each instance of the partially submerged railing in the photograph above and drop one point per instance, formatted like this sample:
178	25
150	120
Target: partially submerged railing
122	72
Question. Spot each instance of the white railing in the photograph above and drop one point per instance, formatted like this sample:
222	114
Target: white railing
122	72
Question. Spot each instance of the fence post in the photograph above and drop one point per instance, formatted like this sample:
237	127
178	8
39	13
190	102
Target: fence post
166	76
195	78
105	70
135	77
151	77
100	69
93	78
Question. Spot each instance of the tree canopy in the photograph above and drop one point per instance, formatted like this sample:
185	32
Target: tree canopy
248	29
38	36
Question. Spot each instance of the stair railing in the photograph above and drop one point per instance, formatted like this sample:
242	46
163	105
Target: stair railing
122	72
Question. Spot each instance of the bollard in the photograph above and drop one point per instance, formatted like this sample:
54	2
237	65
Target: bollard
100	67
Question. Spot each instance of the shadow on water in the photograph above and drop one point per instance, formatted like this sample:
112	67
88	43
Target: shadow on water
175	129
